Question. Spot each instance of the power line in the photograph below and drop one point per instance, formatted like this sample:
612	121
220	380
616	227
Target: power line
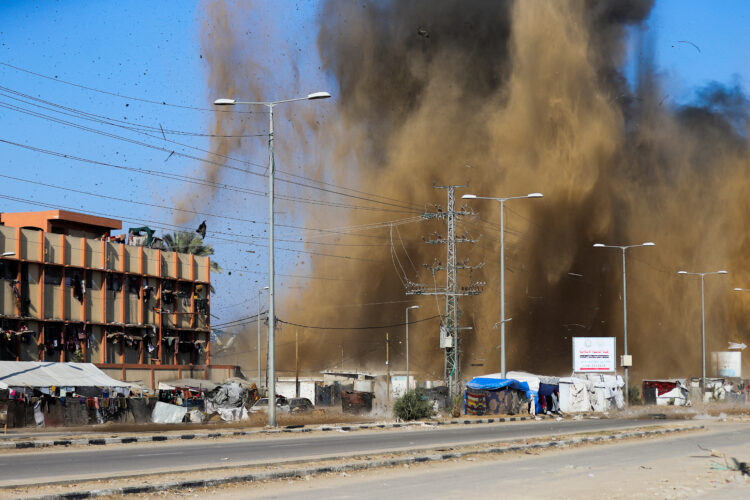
192	180
195	158
214	110
372	327
106	120
205	214
121	96
161	225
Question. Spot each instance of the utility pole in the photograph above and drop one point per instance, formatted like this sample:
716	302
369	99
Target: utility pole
449	328
388	366
296	363
259	345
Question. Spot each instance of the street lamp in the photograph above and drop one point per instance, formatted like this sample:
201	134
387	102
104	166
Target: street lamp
502	264
271	369
703	320
626	360
258	321
408	384
8	254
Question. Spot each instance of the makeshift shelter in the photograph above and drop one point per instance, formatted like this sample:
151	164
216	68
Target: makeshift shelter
574	395
486	395
188	383
544	389
666	392
606	392
43	376
591	392
55	394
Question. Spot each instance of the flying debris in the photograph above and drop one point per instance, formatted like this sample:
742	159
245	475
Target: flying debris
690	43
202	229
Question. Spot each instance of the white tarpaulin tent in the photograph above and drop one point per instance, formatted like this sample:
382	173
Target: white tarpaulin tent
591	392
574	395
607	392
40	374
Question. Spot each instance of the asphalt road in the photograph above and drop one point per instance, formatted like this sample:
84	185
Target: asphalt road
669	467
96	462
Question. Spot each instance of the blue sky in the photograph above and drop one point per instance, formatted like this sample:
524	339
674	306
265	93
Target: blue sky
154	53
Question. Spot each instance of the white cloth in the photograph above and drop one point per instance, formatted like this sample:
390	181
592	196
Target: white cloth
165	413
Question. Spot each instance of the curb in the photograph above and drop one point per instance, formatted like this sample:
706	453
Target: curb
21	445
312	471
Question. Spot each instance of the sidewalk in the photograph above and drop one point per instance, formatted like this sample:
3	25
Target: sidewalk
101	438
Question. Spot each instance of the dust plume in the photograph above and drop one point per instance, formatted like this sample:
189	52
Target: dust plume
532	95
232	74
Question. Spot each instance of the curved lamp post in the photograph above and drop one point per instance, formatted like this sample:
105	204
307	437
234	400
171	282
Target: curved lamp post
703	319
271	369
502	264
626	363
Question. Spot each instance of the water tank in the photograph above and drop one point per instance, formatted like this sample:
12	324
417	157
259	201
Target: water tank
728	363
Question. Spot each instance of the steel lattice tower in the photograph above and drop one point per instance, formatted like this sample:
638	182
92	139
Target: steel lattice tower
449	328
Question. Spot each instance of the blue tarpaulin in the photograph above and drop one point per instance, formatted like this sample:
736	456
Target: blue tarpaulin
493	384
487	395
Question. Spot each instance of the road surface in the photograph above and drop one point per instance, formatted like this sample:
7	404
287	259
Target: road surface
109	461
665	467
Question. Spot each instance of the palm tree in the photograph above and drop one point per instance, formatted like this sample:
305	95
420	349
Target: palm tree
189	242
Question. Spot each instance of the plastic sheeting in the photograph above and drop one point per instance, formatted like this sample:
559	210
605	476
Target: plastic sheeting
592	392
574	395
666	392
493	395
488	383
189	383
165	413
606	393
229	395
40	374
233	414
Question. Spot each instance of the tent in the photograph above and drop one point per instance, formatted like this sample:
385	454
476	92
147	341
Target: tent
42	376
574	395
591	392
544	389
606	393
489	395
666	392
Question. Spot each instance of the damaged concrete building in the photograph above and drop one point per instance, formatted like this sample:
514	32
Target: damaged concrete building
70	291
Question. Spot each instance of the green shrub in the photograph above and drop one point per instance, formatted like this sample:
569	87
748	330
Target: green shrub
634	395
412	406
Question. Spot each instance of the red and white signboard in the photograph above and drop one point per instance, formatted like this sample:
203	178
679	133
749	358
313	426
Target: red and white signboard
594	354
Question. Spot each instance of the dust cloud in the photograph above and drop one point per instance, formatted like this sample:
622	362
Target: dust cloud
514	98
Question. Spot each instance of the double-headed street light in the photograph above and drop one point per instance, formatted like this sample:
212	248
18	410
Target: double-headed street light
703	319
271	369
408	384
502	264
626	359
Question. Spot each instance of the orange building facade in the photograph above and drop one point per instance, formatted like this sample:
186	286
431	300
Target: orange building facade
71	292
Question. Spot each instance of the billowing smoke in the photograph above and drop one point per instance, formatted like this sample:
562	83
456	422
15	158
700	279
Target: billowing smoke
531	95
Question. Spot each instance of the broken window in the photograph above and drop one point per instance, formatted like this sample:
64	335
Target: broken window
53	275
